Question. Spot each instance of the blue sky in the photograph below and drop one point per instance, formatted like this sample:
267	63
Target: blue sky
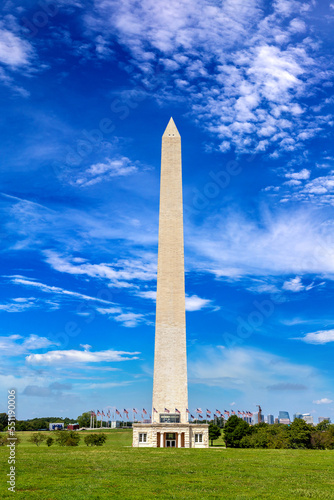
87	89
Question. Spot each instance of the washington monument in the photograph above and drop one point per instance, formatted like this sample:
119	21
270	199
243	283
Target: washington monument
170	427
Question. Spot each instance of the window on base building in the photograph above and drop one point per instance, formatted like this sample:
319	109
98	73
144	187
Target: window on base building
198	438
142	437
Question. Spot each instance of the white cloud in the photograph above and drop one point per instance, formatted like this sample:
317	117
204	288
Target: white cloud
193	302
151	294
318	338
117	167
303	174
129	319
15	345
14	51
19	304
323	401
73	356
293	285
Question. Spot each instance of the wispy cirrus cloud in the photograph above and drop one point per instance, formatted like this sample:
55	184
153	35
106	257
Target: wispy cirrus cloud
122	273
104	171
282	242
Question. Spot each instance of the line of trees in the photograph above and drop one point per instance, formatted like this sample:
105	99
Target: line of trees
239	434
33	424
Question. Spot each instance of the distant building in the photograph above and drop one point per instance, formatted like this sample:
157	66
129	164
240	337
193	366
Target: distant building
284	417
73	427
297	415
308	418
247	419
255	419
57	426
276	421
115	424
285	421
324	419
270	419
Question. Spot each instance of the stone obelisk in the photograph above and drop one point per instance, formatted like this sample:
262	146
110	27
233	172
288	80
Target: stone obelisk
170	388
170	426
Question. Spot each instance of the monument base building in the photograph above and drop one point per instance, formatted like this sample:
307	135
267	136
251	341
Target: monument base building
171	435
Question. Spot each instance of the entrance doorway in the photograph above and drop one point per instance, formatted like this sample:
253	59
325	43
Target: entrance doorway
170	440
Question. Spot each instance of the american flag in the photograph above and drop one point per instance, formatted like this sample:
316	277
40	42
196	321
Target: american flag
108	414
125	411
200	416
233	412
134	410
103	413
208	411
167	410
155	411
118	413
177	411
187	411
192	416
208	416
218	412
144	411
198	410
239	412
98	412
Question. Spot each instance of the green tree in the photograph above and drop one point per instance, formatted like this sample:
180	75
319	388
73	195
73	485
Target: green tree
49	441
84	419
95	439
3	421
67	438
37	438
214	432
323	426
300	434
235	429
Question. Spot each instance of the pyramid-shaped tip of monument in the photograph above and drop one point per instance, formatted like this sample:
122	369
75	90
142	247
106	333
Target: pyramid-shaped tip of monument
171	130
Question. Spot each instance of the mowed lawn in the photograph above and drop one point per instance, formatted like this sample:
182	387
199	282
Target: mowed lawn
117	470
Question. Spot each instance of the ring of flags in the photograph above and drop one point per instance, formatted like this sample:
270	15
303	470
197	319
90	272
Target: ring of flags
199	412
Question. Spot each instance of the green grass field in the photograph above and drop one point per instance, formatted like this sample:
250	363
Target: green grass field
117	470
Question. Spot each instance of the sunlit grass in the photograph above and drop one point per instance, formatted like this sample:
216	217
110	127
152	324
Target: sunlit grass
117	470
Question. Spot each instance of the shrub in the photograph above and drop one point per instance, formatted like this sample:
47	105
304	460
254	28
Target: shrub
37	438
95	439
49	441
67	438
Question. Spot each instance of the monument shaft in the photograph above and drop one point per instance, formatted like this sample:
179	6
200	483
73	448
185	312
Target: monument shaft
170	389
